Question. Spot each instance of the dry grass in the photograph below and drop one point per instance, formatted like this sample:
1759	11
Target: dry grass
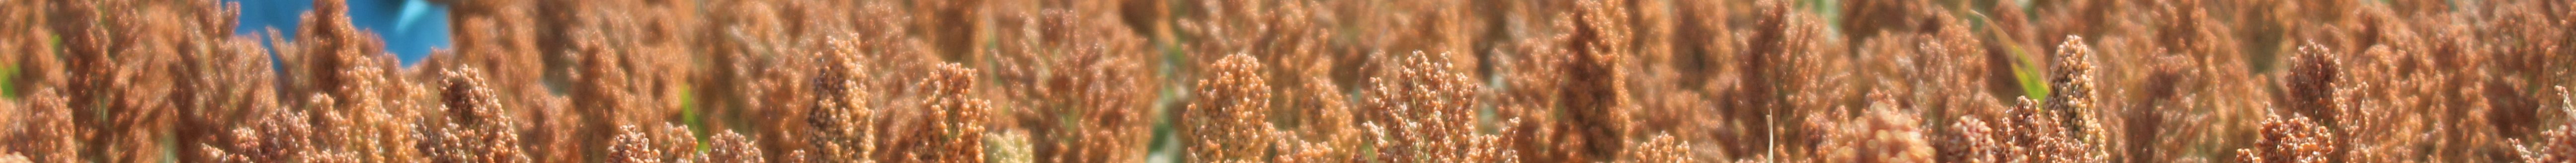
1301	81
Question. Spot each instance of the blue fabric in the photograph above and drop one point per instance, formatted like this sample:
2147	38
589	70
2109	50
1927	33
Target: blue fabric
410	28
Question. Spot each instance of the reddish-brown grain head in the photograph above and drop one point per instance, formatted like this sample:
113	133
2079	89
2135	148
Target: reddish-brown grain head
1229	121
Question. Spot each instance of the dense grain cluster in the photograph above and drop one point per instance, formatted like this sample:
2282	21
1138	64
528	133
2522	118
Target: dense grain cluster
39	125
2293	139
1881	134
2026	133
475	129
1301	81
1083	86
1229	122
1419	110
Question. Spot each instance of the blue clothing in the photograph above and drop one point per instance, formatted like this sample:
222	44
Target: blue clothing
410	28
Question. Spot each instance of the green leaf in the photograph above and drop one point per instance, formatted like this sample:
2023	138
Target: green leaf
2033	81
9	81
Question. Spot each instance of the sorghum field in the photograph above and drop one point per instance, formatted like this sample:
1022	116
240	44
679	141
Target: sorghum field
1304	81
